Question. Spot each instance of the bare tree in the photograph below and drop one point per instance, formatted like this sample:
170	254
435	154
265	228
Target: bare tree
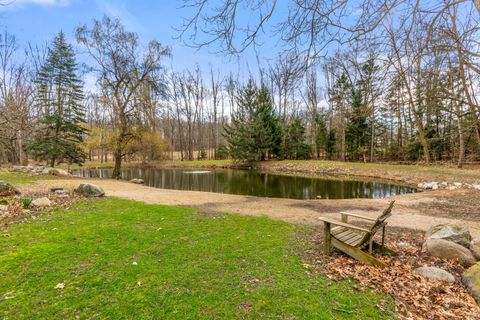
122	68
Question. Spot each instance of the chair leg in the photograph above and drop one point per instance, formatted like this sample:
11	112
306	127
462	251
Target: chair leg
383	238
370	245
327	238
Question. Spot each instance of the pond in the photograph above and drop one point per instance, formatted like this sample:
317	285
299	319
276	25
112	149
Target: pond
254	183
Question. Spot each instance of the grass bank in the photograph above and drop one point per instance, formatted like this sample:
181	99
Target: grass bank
125	259
20	178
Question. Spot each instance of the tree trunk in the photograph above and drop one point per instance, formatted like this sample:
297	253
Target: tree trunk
117	173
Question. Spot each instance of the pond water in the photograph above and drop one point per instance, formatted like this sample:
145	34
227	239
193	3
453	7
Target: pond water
254	183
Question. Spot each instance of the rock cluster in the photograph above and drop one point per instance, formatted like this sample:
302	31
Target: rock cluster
449	241
40	170
434	185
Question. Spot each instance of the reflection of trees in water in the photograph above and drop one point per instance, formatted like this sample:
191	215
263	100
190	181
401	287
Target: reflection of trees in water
254	183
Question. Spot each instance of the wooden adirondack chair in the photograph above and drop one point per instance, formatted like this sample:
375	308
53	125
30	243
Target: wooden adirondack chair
351	239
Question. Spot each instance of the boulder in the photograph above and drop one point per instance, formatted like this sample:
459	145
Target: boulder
449	250
471	279
55	172
434	273
475	248
6	189
90	190
41	202
137	181
452	232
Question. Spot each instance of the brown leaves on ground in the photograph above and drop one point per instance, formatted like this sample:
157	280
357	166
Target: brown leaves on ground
415	297
16	212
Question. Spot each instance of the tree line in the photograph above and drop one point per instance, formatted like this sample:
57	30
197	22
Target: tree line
404	91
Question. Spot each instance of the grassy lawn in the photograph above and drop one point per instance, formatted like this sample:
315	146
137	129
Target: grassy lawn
123	259
23	178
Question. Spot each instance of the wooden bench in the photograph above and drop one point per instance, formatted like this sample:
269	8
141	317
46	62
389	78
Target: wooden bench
351	239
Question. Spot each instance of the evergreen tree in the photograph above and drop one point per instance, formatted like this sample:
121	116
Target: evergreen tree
321	134
255	133
60	95
331	142
357	136
294	144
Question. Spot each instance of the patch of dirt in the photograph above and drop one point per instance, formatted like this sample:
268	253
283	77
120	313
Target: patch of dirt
464	205
209	214
414	296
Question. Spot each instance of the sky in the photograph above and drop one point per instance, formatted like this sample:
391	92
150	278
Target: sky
38	21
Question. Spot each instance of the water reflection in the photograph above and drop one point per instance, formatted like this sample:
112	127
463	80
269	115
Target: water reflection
254	183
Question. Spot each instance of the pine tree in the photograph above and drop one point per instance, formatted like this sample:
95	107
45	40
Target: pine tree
294	144
255	133
358	129
60	95
321	135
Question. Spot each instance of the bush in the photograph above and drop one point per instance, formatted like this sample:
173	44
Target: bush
26	202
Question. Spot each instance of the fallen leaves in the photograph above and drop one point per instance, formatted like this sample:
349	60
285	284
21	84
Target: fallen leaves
415	297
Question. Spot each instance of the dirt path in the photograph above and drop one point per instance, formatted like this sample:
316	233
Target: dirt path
406	214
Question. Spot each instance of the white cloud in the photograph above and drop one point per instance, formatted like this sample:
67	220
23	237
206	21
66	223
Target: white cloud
120	11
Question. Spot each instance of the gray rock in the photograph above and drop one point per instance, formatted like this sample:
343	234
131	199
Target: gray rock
452	232
3	207
137	181
59	191
41	202
6	189
55	172
90	190
434	273
449	250
471	279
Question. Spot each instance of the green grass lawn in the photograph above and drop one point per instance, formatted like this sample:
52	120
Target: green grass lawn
23	178
122	259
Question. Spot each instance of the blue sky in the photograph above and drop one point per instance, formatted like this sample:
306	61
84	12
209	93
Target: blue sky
38	21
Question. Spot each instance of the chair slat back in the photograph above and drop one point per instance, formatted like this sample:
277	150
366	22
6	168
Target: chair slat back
381	219
380	222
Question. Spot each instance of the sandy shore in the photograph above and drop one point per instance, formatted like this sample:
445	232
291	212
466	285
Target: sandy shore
406	214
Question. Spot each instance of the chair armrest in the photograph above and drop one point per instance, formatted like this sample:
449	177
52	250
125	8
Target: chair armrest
357	216
343	224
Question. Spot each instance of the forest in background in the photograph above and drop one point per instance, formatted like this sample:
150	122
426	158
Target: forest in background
402	86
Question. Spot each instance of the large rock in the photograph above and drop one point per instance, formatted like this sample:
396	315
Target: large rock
449	250
90	190
452	232
434	273
41	202
475	248
55	172
6	189
137	181
471	279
